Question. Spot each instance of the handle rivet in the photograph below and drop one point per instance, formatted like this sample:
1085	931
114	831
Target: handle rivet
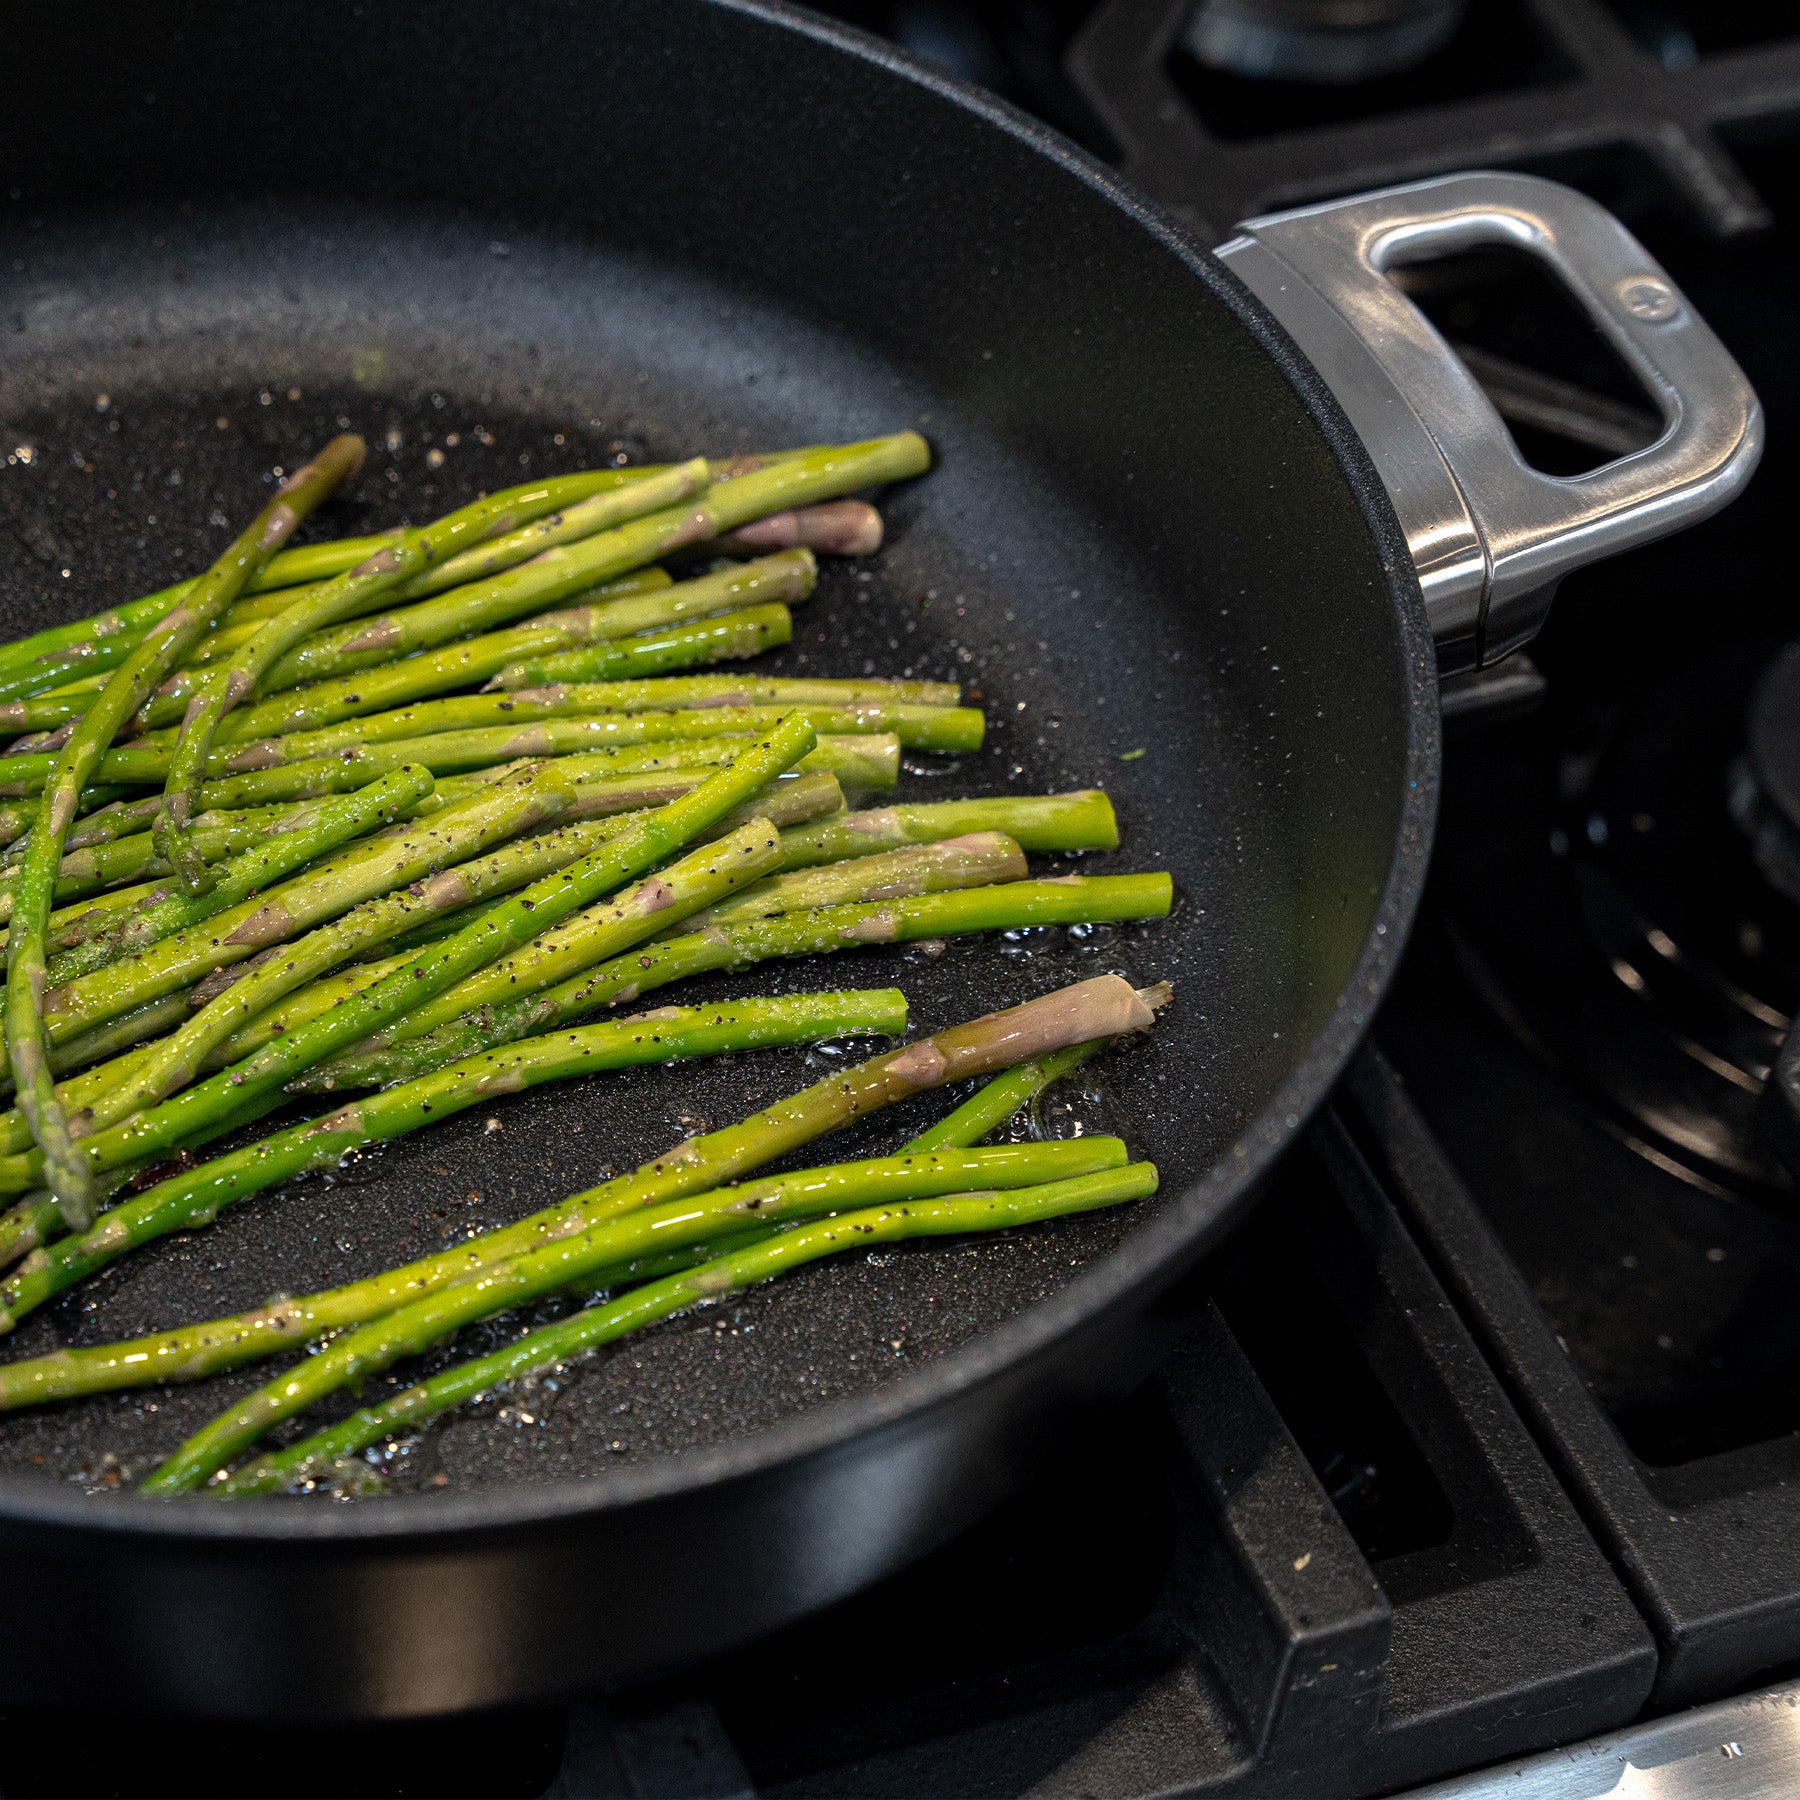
1644	297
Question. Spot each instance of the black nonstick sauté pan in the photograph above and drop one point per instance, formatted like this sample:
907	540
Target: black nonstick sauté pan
1213	509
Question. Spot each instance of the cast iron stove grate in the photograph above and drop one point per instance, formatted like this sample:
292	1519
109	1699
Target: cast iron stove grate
1320	1554
1545	85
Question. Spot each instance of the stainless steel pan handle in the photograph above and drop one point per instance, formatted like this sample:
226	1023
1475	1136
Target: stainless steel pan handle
1490	535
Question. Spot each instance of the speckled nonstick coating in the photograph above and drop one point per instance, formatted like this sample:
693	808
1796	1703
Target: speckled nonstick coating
1148	530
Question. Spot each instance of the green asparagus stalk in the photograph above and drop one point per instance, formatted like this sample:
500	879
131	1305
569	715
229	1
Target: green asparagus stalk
543	905
355	874
603	620
233	998
789	799
193	1197
995	1101
1103	1007
162	647
116	632
979	859
948	729
685	692
726	638
86	871
78	672
416	1327
98	645
315	1459
348	596
131	819
974	861
601	932
868	761
1020	905
367	643
571	568
498	726
247	617
117	819
134	1026
567	525
1079	821
175	1062
16	817
781	800
383	802
36	1218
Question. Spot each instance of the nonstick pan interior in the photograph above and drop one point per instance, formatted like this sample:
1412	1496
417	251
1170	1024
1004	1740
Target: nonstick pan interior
1137	539
158	407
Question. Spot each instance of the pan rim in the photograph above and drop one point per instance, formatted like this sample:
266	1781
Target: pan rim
1167	1244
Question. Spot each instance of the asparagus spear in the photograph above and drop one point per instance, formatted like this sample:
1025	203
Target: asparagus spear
584	503
413	1328
571	568
936	728
288	570
1022	904
978	859
120	628
130	1027
302	565
348	596
382	802
1103	1007
631	607
1018	905
98	645
592	936
161	649
85	872
682	692
995	1101
656	837
794	794
869	760
88	869
528	503
424	625
125	819
353	875
567	525
781	800
148	1074
314	1459
1079	821
725	638
119	818
193	1197
172	1064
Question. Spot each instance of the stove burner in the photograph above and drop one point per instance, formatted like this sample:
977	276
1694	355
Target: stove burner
1335	42
1765	797
1621	928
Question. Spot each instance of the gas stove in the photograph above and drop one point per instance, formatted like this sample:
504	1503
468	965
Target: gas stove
1482	1451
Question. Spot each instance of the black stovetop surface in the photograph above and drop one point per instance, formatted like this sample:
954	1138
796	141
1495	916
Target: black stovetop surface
1486	1434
